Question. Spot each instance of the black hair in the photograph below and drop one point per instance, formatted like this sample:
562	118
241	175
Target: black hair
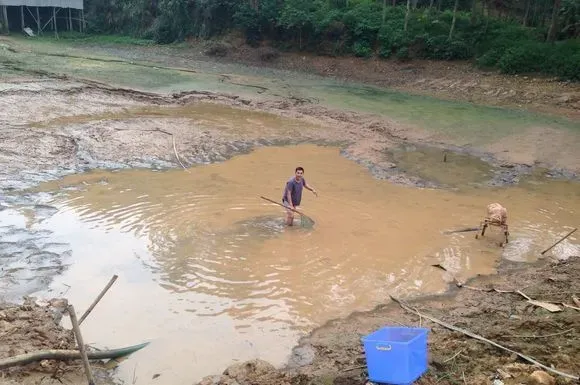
299	169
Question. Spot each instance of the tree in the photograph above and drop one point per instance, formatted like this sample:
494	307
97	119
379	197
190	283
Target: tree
553	32
298	14
454	19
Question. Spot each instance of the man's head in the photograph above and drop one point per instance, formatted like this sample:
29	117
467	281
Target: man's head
299	172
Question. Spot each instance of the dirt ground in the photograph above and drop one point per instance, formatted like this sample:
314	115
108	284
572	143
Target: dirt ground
49	130
333	353
31	327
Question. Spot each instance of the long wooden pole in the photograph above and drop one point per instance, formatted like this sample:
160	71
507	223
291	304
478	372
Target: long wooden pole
81	344
69	24
280	204
566	236
96	301
22	17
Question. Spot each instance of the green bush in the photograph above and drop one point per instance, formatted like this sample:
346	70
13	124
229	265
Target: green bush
525	58
362	49
403	54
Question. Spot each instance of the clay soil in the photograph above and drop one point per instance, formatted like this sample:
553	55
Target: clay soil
31	327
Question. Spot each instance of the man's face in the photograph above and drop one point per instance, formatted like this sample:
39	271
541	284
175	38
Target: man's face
299	174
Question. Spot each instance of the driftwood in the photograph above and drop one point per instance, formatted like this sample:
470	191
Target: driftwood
96	301
63	355
480	338
81	344
565	236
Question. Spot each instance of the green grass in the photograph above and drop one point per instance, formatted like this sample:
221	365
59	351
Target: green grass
77	37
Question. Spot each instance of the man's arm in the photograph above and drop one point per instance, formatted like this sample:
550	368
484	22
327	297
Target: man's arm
310	188
289	196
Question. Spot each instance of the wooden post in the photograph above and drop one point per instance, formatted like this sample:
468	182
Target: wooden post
38	21
81	344
83	20
69	23
22	17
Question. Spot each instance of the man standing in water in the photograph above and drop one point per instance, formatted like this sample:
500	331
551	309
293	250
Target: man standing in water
293	193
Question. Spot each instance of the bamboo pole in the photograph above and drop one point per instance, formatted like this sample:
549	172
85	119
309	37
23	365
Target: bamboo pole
79	337
566	236
96	301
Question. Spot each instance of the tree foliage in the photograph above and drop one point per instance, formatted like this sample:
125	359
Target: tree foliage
513	35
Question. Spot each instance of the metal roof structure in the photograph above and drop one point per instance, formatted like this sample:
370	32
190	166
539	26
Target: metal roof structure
74	4
70	7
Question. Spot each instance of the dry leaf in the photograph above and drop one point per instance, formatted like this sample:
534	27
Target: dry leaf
548	306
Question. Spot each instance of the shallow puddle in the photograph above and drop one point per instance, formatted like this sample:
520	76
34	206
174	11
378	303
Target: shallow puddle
445	168
209	273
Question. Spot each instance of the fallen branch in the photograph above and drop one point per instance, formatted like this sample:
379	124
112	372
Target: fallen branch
543	335
81	344
453	356
96	301
480	338
55	354
576	300
566	236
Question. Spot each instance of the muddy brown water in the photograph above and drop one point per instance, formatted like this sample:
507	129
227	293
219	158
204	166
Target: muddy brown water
210	275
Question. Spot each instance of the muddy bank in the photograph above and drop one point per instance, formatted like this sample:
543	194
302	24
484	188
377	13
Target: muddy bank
332	354
31	327
453	80
71	126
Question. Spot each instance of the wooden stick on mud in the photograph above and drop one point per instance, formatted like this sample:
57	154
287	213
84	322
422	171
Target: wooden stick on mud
566	236
96	301
480	338
79	337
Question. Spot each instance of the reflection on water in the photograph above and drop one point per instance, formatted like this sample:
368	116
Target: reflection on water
208	271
